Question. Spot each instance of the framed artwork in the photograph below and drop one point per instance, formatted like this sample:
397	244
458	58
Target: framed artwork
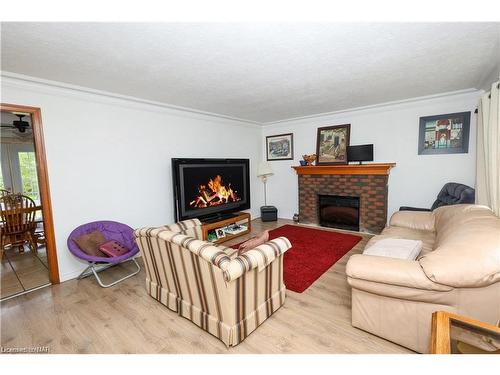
220	233
331	144
279	147
444	134
212	235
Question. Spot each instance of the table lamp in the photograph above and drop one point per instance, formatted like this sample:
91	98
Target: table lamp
267	213
264	171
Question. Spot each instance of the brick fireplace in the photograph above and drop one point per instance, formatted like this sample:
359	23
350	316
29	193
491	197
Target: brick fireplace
369	182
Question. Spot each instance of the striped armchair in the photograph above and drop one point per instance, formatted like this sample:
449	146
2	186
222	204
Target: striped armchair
225	294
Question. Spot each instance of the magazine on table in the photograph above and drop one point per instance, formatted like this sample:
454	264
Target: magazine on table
235	228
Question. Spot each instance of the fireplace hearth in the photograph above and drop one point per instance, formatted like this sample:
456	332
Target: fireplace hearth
338	211
367	182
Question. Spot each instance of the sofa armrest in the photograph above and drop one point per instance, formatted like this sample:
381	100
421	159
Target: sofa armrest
391	271
420	220
259	257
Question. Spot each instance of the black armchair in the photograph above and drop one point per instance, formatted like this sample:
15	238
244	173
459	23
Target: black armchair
451	193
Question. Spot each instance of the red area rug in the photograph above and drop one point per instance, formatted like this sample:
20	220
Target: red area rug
313	252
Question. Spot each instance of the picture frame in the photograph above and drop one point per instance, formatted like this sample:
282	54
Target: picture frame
212	235
279	147
220	233
332	143
444	134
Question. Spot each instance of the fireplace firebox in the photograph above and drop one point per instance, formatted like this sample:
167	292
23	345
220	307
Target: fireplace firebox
338	211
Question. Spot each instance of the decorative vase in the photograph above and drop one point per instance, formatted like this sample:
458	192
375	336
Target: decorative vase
295	218
309	158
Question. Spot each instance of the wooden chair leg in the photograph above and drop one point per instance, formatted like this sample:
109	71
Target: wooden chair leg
33	243
2	251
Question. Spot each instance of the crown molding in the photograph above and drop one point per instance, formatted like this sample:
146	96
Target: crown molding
25	81
380	106
29	82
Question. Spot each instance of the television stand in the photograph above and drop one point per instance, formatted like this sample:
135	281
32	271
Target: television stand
217	217
215	225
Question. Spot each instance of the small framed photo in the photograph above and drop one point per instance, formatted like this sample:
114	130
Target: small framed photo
332	143
212	235
444	134
220	233
279	147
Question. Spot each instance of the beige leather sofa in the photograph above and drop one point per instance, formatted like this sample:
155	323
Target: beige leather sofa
458	270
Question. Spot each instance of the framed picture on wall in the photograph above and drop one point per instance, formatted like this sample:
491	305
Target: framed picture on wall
279	147
331	144
444	134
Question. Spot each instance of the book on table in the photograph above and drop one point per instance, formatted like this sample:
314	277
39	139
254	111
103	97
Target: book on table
235	228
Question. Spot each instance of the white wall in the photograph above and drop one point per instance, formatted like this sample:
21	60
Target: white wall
110	158
393	129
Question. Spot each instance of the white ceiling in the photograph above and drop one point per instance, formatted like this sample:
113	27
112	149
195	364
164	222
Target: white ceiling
261	72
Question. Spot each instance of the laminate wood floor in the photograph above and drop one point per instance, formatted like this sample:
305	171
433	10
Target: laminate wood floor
78	316
22	271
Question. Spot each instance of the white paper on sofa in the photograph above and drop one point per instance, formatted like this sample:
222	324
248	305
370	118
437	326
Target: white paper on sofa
395	248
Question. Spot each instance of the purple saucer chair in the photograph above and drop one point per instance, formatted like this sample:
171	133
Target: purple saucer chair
111	230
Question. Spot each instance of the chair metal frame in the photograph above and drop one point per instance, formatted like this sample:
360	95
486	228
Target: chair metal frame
93	269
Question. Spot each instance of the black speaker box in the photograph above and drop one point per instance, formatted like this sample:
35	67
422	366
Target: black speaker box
269	213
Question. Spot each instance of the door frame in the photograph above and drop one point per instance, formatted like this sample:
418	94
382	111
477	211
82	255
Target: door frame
43	182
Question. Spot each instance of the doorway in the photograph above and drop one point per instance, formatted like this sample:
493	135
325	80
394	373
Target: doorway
29	258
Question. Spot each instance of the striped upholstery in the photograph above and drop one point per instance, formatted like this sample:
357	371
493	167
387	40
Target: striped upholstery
188	227
225	294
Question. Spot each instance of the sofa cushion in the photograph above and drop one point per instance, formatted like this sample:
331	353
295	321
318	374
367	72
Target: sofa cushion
395	248
427	237
230	252
253	242
89	243
418	220
449	219
467	248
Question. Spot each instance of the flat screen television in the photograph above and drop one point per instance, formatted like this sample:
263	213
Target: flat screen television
210	189
360	153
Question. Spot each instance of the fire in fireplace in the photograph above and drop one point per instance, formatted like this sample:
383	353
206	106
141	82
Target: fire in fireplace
338	211
214	193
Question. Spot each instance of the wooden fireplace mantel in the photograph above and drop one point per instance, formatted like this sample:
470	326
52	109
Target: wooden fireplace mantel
352	169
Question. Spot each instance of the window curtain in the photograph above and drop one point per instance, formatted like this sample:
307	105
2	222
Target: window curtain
488	150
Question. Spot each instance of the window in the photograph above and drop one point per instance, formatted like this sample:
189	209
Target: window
29	179
2	185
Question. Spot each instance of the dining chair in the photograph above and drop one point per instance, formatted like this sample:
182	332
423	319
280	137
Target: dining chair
17	215
39	233
4	192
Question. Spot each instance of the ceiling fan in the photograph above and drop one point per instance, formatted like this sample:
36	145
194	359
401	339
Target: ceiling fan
18	124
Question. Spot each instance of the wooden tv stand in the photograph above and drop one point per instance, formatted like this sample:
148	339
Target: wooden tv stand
239	217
